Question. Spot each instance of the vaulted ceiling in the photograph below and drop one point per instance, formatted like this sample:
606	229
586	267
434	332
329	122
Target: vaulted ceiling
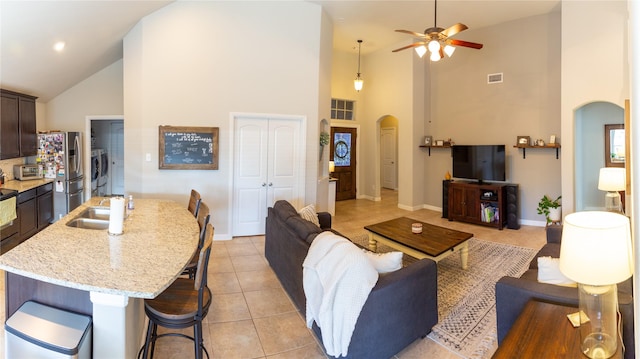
93	32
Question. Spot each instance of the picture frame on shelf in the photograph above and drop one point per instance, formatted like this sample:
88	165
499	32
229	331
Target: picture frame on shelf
439	143
428	140
524	140
552	140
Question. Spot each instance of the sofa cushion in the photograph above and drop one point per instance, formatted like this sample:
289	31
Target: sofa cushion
549	272
309	213
549	250
284	209
303	228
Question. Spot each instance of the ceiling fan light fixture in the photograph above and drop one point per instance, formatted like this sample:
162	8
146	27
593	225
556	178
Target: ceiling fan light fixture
434	46
358	82
448	49
435	56
421	50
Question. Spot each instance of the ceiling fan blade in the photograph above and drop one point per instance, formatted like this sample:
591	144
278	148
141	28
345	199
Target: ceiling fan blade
415	44
472	45
412	33
454	29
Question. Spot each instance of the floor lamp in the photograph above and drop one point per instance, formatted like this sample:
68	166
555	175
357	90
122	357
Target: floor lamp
612	180
596	252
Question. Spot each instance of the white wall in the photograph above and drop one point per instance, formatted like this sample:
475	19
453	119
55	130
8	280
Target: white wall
194	63
99	94
594	68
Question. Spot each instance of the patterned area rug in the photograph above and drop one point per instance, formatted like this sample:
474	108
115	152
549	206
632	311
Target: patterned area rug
466	298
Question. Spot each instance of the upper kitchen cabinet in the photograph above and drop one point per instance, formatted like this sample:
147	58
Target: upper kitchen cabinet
18	136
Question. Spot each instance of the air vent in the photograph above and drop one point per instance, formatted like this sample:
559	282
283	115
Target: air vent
494	78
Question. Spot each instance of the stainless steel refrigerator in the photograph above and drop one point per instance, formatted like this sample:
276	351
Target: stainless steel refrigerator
60	154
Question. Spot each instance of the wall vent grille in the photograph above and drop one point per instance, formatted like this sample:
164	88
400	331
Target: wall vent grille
494	78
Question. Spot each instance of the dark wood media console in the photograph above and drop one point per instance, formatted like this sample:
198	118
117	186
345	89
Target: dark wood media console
479	203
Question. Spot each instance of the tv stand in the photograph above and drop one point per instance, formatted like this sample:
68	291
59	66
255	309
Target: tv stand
479	203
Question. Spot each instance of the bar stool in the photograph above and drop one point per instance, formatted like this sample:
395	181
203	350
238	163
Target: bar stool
185	303
194	202
203	220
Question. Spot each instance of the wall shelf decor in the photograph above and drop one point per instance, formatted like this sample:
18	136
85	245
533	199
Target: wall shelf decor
434	144
188	148
524	148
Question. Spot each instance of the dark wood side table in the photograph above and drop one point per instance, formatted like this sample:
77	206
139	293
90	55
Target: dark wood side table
543	331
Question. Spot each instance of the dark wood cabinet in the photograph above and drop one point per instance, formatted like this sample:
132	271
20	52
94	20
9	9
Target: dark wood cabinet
35	212
476	203
44	201
28	213
18	137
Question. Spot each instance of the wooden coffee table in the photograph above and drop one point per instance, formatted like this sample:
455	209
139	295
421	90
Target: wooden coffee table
434	242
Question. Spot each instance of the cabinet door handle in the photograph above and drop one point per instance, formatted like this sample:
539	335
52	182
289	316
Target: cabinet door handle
263	184
270	184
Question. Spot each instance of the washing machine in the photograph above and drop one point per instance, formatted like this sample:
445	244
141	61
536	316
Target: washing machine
95	171
103	176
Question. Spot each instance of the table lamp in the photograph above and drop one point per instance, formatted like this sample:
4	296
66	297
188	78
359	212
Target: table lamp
332	167
612	180
596	252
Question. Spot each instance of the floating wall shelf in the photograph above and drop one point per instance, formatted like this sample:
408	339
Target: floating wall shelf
430	147
524	149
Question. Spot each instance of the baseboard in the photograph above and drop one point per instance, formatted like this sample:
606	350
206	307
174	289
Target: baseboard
409	208
370	198
526	222
432	208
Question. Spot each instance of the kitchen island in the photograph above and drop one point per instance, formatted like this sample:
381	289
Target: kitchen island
106	276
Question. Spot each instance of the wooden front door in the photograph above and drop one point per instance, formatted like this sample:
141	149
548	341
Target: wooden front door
343	153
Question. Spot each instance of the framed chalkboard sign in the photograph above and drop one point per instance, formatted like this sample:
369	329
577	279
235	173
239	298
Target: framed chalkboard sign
188	148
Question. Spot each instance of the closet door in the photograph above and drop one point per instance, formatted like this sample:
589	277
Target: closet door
267	168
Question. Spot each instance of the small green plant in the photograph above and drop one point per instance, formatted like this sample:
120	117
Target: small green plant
546	203
324	138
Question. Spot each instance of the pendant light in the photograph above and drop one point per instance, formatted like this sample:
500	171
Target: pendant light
357	83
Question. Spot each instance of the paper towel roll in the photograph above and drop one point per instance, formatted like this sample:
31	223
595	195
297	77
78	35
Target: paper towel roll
116	215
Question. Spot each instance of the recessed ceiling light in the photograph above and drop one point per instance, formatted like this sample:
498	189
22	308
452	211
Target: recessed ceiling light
59	46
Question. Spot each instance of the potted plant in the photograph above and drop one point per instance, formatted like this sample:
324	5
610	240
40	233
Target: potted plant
551	209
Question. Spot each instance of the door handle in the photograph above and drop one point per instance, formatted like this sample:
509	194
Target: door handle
263	184
270	184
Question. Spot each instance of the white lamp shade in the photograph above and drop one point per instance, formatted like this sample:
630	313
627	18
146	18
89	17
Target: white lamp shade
449	50
357	83
421	50
332	166
596	248
612	179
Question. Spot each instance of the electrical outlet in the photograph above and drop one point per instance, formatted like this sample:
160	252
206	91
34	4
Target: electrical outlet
148	157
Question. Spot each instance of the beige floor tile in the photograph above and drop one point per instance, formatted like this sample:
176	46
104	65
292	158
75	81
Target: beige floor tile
235	340
241	249
228	308
221	283
258	280
311	351
255	262
283	333
264	303
220	265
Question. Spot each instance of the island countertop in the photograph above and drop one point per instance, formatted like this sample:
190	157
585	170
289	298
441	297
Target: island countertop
158	241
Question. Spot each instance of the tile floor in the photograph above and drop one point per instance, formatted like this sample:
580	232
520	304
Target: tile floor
252	317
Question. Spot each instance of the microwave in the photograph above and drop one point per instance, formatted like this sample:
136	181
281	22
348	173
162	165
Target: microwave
26	172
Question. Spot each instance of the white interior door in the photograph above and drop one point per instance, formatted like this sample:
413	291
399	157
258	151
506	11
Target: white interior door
267	168
116	156
389	158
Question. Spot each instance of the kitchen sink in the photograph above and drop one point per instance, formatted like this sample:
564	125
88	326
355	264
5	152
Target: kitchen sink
95	213
89	223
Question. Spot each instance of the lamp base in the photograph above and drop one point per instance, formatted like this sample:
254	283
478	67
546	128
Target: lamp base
598	321
612	202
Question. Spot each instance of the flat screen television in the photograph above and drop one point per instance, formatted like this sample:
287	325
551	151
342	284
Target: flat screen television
479	162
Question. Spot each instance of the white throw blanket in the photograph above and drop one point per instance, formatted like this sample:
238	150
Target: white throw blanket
337	280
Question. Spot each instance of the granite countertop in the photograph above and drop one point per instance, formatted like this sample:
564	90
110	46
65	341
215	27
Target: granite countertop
23	186
158	241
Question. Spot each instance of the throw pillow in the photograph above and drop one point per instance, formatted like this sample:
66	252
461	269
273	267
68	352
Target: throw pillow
309	213
549	272
385	262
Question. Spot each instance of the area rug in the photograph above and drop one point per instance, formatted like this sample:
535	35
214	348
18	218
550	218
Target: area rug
466	298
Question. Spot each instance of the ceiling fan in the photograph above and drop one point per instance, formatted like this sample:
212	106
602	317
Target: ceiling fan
438	40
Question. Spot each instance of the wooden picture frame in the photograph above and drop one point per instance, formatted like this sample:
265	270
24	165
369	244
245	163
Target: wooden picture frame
188	147
428	140
523	141
610	132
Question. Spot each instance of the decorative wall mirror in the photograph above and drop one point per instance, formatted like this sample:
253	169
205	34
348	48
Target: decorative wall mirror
614	145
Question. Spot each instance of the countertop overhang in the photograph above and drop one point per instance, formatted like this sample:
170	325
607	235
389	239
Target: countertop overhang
158	241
